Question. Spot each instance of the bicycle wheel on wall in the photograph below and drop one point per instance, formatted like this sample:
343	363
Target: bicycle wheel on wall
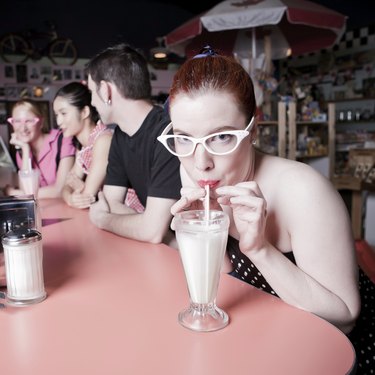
14	48
62	52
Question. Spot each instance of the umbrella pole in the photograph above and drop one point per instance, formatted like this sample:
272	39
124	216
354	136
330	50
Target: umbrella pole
267	55
253	51
252	70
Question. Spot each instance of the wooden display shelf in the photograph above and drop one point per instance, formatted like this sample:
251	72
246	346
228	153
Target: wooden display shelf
351	183
328	131
280	126
311	123
311	156
268	123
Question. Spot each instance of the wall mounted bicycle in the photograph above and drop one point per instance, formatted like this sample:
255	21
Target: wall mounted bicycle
17	47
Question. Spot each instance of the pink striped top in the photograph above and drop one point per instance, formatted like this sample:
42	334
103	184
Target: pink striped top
84	159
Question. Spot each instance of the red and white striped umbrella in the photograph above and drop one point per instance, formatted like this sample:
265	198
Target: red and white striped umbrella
238	27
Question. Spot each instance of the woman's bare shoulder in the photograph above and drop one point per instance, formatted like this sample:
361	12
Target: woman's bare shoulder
103	140
281	168
101	146
290	178
301	196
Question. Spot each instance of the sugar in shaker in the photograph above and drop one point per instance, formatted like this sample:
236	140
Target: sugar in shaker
23	253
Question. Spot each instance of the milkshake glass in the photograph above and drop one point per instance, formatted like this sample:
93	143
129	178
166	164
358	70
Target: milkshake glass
29	181
202	243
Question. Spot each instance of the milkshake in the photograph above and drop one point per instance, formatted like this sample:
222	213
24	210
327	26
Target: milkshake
202	243
29	181
202	254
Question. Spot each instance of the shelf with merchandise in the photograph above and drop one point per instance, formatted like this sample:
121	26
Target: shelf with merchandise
355	129
312	139
271	134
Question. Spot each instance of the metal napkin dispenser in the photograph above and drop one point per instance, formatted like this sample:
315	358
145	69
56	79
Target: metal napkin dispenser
18	212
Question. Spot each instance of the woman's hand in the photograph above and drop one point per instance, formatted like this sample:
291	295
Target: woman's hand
192	198
16	142
77	198
249	213
10	191
75	182
25	147
80	200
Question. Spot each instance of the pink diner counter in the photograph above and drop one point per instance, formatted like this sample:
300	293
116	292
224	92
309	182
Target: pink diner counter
112	308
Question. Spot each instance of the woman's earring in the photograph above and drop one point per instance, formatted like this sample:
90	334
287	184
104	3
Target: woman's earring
108	102
254	142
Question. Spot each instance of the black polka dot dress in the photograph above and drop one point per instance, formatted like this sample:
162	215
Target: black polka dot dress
363	334
245	270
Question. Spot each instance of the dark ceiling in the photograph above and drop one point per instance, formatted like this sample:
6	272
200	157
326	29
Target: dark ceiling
94	25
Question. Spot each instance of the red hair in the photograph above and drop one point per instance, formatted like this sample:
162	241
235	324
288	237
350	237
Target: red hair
215	73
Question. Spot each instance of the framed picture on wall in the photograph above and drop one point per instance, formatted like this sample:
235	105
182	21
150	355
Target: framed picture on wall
21	73
9	74
57	75
45	74
78	75
34	74
68	74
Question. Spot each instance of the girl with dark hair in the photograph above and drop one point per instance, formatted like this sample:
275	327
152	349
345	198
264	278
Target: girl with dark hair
78	118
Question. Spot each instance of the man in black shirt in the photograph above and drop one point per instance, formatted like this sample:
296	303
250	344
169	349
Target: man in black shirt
121	91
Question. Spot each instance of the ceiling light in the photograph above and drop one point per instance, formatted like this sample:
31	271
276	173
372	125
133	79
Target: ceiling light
159	52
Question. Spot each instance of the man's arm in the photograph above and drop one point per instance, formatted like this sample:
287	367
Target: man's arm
111	214
115	197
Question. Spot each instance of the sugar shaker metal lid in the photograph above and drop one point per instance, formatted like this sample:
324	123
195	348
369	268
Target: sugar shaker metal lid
20	236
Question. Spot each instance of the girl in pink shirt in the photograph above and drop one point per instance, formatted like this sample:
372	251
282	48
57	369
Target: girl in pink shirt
47	152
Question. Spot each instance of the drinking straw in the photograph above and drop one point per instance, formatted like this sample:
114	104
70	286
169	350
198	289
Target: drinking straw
207	204
30	167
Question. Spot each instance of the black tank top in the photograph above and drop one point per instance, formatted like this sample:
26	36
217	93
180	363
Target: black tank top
245	270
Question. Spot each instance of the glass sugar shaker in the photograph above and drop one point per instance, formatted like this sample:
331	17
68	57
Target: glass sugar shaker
23	253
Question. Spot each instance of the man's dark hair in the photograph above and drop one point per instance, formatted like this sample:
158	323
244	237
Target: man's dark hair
123	66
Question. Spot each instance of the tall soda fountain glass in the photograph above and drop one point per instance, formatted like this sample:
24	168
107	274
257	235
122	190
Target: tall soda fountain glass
202	243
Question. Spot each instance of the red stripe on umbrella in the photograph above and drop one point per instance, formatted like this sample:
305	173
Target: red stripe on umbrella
306	26
315	14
